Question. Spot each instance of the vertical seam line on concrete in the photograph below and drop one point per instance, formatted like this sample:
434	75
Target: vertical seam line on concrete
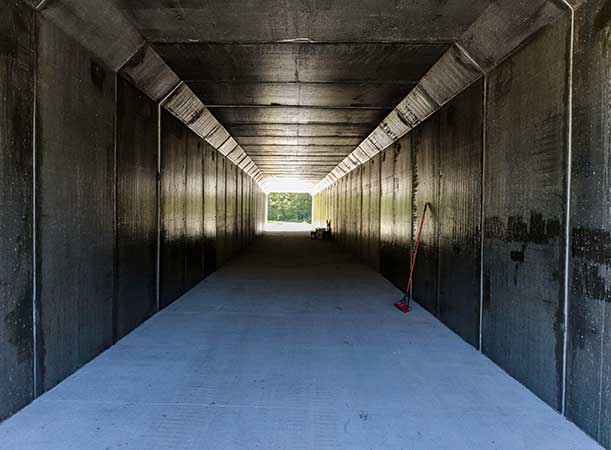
569	167
158	186
115	213
482	212
412	205
437	212
482	187
34	217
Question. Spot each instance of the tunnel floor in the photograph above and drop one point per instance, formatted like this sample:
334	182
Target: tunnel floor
292	345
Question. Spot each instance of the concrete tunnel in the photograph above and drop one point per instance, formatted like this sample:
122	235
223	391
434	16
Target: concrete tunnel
143	304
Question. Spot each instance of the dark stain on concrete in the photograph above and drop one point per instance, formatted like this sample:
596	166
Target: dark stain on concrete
494	228
517	229
98	75
486	288
518	255
553	229
589	282
516	271
592	245
537	230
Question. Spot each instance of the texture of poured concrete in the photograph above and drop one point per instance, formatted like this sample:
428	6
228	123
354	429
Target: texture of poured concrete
292	345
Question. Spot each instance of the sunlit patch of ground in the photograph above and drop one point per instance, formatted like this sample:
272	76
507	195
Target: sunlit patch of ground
288	226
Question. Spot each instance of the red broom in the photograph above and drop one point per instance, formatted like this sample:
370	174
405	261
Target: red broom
403	304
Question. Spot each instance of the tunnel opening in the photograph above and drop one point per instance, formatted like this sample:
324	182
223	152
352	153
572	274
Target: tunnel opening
288	211
205	219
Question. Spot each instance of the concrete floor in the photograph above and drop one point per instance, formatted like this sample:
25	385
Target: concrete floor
293	345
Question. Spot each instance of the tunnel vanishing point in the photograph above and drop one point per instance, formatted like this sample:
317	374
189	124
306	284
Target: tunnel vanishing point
143	304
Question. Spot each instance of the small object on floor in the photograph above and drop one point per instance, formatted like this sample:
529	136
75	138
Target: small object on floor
318	233
403	304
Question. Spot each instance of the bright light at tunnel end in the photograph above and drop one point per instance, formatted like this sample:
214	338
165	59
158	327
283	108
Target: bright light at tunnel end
287	185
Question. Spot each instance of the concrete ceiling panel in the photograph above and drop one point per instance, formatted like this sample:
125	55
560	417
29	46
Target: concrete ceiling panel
308	63
318	20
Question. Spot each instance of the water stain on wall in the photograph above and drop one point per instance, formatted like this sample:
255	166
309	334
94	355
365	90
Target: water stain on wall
592	245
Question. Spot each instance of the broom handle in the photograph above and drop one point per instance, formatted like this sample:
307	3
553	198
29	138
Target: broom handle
411	272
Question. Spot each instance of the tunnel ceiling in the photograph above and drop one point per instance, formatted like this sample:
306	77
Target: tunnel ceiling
299	109
299	84
318	20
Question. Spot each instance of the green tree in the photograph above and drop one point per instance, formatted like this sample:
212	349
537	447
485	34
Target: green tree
289	207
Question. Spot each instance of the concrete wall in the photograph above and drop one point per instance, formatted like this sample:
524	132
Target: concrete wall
83	196
210	186
221	210
200	228
173	210
494	164
459	213
588	397
135	297
17	62
524	213
74	198
201	216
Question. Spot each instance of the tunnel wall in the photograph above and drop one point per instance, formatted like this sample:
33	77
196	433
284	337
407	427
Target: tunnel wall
173	210
524	213
221	210
90	182
494	164
588	397
459	211
136	203
210	187
425	181
17	63
202	215
74	205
